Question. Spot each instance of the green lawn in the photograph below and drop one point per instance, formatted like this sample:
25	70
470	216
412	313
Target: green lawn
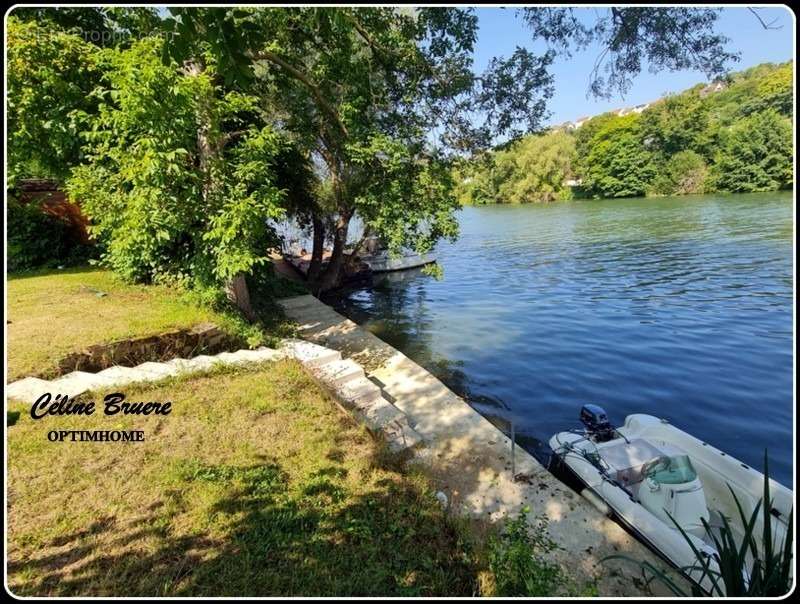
255	484
54	313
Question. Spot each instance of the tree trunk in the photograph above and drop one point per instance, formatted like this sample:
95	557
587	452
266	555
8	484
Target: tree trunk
237	292
208	151
331	277
316	253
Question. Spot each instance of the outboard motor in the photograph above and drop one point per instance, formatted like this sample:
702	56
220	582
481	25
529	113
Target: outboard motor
596	421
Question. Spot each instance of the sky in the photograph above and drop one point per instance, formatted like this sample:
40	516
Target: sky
500	32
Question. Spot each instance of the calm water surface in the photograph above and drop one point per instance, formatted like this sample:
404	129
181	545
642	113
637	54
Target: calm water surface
680	307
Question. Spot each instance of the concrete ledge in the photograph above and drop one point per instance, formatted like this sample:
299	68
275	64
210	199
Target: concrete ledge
469	459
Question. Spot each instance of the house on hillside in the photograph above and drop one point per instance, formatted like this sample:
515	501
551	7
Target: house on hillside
715	86
578	122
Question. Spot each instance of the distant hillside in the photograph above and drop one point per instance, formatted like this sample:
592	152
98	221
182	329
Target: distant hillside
737	79
733	134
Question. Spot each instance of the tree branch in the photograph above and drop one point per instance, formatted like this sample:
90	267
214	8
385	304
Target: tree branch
770	25
267	55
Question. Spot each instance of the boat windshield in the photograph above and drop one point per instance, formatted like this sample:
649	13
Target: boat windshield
675	469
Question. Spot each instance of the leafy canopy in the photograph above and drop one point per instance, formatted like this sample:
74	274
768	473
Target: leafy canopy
50	77
143	184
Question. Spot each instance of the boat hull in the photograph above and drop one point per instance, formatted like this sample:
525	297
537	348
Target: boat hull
384	263
716	471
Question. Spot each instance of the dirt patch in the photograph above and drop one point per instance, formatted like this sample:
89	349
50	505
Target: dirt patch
206	338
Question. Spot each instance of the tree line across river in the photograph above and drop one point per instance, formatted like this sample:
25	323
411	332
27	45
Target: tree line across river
184	133
732	136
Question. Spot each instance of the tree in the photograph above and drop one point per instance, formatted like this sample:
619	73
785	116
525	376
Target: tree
678	123
684	174
50	77
672	38
618	164
102	26
541	164
756	154
172	190
583	141
365	88
367	79
774	91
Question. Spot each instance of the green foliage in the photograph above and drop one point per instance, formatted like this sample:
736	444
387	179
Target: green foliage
405	199
517	558
756	154
248	198
678	123
159	203
102	26
474	182
50	75
533	169
736	139
684	174
775	91
37	239
618	166
378	96
539	167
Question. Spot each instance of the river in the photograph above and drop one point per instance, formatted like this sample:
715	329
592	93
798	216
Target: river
677	307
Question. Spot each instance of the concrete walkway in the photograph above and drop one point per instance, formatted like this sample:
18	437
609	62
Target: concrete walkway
469	458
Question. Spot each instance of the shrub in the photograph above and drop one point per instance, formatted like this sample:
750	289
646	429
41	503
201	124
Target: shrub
37	239
517	558
684	174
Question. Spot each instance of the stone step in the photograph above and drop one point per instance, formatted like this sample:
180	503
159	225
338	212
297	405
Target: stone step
195	364
125	375
359	392
299	302
400	435
29	389
158	371
259	355
378	414
310	355
338	373
78	382
244	357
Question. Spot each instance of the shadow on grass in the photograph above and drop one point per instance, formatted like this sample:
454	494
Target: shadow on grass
45	271
262	539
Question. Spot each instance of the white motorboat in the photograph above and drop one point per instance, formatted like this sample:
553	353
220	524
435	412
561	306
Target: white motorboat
653	475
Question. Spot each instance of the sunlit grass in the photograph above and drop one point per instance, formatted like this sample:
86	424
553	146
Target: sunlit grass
54	313
256	484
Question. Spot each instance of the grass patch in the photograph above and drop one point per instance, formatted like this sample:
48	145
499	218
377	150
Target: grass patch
54	313
254	485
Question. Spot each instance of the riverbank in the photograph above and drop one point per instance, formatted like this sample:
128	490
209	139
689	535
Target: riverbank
469	459
256	483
